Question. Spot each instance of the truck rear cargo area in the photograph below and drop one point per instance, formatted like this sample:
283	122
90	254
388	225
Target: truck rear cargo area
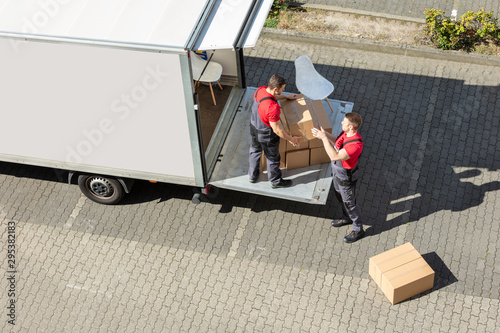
311	183
210	113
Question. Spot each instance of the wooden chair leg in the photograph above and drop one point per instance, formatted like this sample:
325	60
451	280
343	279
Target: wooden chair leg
219	85
329	104
212	91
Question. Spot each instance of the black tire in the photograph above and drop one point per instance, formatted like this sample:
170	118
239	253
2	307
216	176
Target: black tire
101	189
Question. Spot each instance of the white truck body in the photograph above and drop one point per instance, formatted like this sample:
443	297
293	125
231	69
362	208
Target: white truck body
106	88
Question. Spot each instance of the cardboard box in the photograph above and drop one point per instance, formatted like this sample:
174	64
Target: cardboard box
317	143
303	142
401	273
301	116
407	280
297	159
318	156
386	261
312	112
301	146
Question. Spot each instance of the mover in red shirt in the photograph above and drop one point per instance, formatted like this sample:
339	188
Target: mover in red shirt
344	152
266	131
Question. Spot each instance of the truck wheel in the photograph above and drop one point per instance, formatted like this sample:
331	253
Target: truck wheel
100	189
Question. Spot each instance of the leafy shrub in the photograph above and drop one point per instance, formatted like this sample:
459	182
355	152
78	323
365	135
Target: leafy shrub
471	30
278	5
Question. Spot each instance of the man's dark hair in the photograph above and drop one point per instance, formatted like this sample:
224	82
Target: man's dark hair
276	81
354	119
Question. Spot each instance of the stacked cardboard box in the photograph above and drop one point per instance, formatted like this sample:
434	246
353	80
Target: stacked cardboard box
298	117
401	273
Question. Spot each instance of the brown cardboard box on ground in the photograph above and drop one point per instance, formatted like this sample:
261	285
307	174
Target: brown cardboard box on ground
301	116
297	159
318	156
401	273
407	280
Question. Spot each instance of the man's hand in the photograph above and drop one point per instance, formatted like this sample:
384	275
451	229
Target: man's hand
319	133
279	131
295	140
291	96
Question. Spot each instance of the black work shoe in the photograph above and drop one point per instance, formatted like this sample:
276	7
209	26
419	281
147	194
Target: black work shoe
354	236
282	183
252	180
340	222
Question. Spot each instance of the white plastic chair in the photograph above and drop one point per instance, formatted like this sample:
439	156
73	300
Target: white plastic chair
309	82
212	73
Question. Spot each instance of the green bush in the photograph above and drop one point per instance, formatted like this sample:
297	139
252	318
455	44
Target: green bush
471	30
277	6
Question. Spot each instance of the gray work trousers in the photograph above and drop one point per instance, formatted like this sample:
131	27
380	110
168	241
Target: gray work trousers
344	183
269	144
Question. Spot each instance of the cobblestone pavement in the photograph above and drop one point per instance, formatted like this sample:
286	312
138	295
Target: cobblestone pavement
410	8
244	263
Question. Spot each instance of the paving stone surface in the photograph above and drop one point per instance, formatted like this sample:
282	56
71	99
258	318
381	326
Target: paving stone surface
244	263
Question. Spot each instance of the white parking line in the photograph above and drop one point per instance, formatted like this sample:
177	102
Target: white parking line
75	212
235	244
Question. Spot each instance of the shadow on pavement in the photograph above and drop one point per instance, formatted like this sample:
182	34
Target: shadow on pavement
424	137
443	276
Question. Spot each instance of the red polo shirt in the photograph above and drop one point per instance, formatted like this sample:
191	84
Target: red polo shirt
269	110
353	149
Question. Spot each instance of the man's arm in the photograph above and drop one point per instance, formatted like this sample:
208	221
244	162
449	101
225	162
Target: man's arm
332	153
328	139
289	96
279	131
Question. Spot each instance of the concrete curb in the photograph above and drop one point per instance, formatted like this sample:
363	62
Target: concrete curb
381	47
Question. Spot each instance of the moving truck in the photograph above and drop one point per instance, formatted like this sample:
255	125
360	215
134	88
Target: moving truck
105	90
